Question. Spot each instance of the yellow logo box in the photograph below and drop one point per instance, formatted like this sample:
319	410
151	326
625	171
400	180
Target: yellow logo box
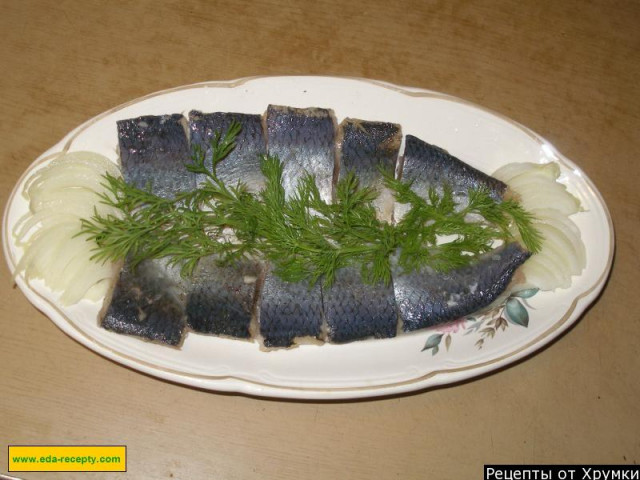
67	458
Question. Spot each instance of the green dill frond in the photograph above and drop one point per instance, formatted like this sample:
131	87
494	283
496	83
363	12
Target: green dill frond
523	221
302	236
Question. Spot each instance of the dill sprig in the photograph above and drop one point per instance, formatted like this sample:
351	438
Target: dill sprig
302	236
471	230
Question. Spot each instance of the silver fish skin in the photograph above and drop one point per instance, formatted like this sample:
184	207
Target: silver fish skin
426	298
153	152
243	163
247	299
366	147
427	166
150	301
147	303
289	312
354	309
304	140
222	299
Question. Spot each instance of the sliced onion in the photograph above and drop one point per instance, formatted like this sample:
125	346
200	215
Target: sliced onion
67	176
557	241
548	195
44	218
100	289
59	195
83	279
68	199
510	170
560	221
539	276
99	163
563	253
559	276
42	249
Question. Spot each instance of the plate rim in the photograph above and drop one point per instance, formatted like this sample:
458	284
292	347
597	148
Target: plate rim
231	383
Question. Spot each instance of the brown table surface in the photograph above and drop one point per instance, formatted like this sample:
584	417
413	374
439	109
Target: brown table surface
569	70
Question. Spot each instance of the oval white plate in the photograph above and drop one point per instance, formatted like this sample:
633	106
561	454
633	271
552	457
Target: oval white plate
368	368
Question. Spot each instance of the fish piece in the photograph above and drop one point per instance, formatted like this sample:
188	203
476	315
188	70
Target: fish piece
147	303
150	301
243	163
365	147
427	298
356	310
427	166
247	299
221	299
289	311
153	151
304	140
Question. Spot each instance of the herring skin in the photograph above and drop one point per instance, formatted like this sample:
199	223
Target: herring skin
289	312
356	310
243	163
154	151
150	301
427	165
366	148
147	303
304	140
221	299
426	298
155	303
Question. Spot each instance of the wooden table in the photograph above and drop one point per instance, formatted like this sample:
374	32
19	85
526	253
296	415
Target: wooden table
568	70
